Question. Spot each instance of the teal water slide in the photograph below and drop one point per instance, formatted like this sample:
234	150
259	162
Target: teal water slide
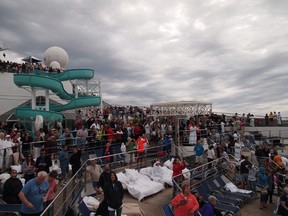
53	82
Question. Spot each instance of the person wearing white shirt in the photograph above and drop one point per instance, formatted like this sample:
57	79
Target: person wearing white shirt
238	149
210	155
222	127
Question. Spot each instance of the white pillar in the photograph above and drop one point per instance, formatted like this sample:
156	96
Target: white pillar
46	99
76	90
33	98
100	94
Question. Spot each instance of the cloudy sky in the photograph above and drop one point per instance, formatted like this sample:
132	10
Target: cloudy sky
229	52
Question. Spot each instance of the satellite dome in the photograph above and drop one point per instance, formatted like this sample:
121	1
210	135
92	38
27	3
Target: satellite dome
55	65
54	55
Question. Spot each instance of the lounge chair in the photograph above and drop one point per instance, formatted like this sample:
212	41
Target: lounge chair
228	194
228	209
222	183
10	208
168	210
83	209
205	192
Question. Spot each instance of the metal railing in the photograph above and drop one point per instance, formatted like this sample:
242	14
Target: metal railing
66	197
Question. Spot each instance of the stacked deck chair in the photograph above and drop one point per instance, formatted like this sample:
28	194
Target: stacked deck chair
222	183
213	186
228	209
10	209
219	196
204	173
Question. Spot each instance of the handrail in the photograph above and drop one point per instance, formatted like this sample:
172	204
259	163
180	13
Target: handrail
72	180
217	160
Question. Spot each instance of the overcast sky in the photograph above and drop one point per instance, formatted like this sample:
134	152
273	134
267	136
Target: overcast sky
229	52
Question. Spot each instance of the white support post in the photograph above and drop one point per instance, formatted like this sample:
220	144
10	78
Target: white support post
47	100
76	90
33	98
100	94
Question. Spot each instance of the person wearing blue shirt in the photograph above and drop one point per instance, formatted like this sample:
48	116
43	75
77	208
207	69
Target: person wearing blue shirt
199	149
67	137
32	195
64	163
208	209
263	183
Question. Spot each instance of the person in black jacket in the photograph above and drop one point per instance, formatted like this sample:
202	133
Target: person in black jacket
75	160
105	176
113	194
11	188
43	162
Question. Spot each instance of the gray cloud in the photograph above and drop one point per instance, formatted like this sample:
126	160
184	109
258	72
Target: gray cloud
230	53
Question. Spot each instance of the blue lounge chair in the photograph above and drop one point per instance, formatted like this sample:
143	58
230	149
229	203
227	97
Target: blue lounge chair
228	209
205	192
222	184
167	210
227	194
83	209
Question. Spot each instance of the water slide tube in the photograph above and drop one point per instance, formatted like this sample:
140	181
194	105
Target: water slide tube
52	81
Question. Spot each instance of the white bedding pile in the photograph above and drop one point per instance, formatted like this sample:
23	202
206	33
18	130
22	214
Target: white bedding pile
123	179
91	203
159	174
139	185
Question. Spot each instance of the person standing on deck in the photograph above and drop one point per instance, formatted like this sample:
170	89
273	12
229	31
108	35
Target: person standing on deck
238	149
32	195
199	149
142	143
177	176
185	203
95	171
64	164
192	134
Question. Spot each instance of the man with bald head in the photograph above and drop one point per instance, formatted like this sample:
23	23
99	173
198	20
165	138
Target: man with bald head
32	195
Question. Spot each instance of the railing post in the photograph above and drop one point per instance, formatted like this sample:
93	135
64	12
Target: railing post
64	201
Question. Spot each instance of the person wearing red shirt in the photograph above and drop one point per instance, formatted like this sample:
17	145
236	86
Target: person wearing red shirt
185	203
142	143
110	134
177	176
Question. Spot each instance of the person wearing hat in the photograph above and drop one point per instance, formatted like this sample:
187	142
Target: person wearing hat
11	188
95	171
283	207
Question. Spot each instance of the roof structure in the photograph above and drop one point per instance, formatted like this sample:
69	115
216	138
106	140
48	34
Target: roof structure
181	108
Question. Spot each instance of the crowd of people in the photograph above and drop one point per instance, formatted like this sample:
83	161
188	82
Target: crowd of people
25	67
132	128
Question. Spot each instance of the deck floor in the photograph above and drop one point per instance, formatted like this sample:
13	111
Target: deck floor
152	205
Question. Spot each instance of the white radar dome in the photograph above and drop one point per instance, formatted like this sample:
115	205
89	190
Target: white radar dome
55	65
57	55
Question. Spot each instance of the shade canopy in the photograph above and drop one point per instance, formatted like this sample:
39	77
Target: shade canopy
31	59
